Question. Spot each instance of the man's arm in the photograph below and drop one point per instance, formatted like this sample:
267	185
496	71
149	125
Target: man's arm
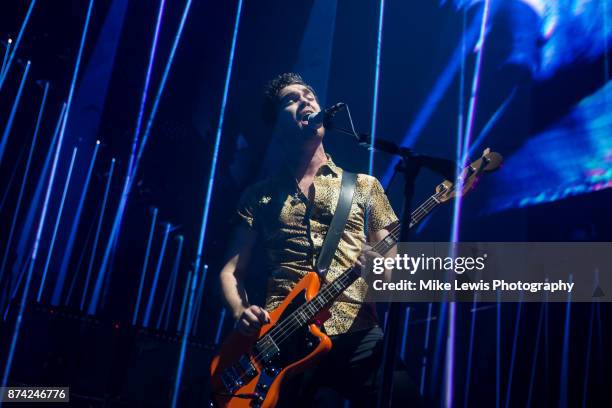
249	317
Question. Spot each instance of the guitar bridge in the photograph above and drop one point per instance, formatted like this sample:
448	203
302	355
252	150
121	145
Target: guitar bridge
234	377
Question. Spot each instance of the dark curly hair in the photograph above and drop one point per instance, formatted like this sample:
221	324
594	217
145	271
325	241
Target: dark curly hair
270	104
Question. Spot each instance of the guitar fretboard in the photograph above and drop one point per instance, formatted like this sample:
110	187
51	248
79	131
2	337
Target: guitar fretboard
331	291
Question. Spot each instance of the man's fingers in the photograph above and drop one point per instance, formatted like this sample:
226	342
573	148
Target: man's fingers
244	327
252	319
373	254
261	314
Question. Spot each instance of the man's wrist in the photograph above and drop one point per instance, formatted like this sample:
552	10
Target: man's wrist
239	311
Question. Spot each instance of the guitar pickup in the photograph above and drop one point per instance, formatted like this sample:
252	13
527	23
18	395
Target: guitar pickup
265	349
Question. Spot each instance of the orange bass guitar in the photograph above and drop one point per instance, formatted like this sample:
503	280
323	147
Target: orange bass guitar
250	371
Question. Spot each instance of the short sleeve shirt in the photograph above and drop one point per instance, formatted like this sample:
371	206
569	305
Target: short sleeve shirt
292	229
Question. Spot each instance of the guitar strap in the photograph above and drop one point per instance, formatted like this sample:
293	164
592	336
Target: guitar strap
336	228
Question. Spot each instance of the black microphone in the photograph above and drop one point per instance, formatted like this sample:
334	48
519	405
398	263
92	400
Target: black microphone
322	118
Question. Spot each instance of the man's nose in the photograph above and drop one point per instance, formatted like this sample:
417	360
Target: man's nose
304	101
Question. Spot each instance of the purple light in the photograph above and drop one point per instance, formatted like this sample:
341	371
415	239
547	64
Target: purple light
169	296
137	128
43	215
160	260
179	372
98	229
213	164
23	181
61	277
93	305
56	227
462	160
143	274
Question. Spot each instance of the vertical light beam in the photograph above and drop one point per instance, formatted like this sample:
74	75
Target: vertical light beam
425	350
97	237
17	41
62	131
93	304
179	324
75	276
56	227
144	267
145	89
24	180
61	277
587	359
462	159
11	118
498	354
376	84
468	370
169	296
534	361
405	334
220	326
199	296
160	261
513	356
20	265
213	164
8	185
137	128
181	360
563	380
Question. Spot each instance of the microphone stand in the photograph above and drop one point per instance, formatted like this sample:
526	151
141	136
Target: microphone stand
410	165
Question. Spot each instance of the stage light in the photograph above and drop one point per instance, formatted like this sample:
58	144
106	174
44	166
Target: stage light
9	240
376	85
114	235
7	66
143	274
58	219
97	237
160	260
11	118
34	252
215	156
61	276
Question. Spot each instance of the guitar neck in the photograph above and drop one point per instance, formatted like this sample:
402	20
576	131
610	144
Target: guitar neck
331	291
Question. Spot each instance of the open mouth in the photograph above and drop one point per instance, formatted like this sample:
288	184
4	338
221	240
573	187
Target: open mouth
304	115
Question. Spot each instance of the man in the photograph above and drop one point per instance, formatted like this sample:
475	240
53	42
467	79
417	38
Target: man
290	214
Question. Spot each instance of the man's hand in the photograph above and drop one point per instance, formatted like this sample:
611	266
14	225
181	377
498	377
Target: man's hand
251	320
366	255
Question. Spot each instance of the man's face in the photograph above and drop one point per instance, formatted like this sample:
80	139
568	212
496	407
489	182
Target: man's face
296	102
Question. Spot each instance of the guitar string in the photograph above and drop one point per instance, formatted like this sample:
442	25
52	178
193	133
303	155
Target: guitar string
290	322
323	294
380	244
414	219
285	332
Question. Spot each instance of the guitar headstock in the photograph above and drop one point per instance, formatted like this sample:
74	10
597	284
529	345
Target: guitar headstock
489	161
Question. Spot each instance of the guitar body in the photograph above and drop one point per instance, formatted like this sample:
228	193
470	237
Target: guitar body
249	371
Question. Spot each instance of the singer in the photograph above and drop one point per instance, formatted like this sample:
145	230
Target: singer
290	213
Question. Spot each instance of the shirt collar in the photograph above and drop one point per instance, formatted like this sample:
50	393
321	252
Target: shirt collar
329	168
